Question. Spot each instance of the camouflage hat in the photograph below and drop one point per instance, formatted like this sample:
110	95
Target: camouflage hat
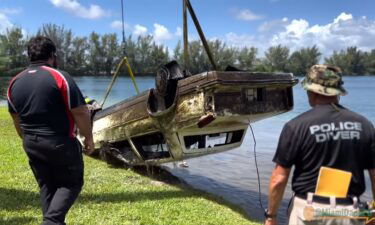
325	80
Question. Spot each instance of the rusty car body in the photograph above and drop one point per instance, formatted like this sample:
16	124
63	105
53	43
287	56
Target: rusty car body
209	113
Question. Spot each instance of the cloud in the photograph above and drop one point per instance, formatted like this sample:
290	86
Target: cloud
274	25
240	40
161	33
117	24
10	11
342	32
245	40
75	8
178	32
342	17
4	23
246	15
140	30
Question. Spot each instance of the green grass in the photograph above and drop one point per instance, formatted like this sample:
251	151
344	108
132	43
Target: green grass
110	195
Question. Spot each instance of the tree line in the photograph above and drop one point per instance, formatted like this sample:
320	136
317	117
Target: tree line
98	54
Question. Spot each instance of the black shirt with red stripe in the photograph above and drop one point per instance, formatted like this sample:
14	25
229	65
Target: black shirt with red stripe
43	97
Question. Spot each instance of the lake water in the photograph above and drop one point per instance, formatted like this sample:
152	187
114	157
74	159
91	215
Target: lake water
232	175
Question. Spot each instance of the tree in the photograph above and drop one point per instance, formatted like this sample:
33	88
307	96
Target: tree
3	59
111	52
143	53
158	56
369	61
261	65
178	53
222	54
351	61
246	58
95	55
303	59
198	59
337	59
130	48
13	46
77	60
99	54
355	61
62	39
277	58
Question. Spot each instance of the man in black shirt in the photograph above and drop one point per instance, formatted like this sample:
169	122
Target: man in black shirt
328	135
47	106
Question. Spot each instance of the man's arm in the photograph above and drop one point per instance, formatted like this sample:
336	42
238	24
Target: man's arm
278	182
81	117
372	177
16	122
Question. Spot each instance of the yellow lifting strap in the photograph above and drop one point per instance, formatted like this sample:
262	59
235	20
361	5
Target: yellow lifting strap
125	62
333	182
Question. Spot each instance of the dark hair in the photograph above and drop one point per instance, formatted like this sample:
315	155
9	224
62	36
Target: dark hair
40	48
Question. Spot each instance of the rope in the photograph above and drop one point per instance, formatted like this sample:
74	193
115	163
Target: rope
257	170
123	26
124	61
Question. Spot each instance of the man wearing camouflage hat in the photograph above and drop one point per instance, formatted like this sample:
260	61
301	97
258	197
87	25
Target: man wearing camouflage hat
328	135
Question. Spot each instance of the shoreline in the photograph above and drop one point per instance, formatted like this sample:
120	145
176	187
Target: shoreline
120	195
162	176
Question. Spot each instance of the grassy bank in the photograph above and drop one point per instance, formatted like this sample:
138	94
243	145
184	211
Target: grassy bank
110	196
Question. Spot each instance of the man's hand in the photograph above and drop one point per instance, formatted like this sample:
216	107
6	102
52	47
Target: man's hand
89	147
81	117
270	221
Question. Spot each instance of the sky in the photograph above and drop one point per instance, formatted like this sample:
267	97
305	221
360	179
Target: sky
329	24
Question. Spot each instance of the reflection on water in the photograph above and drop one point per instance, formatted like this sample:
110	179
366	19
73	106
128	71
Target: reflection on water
123	88
232	174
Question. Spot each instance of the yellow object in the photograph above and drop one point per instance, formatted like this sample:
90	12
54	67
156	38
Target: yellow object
87	100
131	74
333	182
122	62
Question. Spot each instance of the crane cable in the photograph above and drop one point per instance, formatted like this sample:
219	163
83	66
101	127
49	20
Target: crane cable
123	26
124	61
257	170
